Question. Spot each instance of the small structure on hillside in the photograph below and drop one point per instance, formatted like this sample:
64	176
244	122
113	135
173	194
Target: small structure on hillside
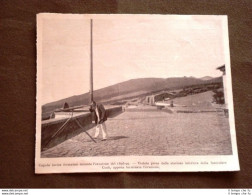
223	70
224	78
66	105
152	99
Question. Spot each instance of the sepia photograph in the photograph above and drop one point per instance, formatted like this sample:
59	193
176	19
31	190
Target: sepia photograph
134	93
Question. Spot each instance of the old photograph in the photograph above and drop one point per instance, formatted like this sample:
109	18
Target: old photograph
147	93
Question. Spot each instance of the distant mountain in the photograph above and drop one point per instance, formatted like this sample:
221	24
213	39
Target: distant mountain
130	88
206	78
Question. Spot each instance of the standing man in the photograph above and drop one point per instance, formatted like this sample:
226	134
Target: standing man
100	118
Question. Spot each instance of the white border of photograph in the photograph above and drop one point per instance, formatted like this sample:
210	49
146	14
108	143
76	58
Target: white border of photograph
130	163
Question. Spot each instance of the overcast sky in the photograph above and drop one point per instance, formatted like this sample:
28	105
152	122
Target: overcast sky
126	47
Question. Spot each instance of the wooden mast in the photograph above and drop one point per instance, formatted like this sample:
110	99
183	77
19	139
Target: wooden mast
91	60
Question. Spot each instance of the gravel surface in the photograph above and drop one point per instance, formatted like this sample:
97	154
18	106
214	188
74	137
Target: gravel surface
153	132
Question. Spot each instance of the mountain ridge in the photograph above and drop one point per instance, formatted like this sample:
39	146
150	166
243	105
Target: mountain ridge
206	78
139	85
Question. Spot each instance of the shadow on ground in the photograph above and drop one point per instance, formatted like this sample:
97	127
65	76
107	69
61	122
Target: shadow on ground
117	137
147	118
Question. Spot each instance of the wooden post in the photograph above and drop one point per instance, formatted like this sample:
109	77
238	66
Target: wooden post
91	60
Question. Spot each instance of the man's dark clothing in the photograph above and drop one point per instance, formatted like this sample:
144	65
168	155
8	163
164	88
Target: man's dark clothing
102	113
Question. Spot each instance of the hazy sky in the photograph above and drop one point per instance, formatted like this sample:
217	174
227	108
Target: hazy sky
126	47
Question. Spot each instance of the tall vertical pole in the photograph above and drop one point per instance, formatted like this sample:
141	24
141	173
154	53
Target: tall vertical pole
91	60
